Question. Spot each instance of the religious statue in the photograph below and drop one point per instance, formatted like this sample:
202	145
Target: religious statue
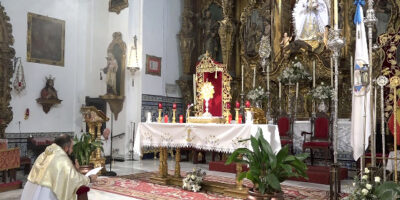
285	40
111	71
48	92
210	28
311	17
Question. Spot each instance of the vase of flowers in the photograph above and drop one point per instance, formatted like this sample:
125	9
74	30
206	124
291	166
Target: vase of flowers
321	93
257	95
193	180
294	74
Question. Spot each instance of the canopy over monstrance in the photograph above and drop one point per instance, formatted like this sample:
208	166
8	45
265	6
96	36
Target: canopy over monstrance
289	32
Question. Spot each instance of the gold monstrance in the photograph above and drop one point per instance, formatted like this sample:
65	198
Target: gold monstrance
207	92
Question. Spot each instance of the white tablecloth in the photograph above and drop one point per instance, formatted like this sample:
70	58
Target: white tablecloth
211	137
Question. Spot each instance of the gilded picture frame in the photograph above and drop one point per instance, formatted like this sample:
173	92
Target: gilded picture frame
117	5
45	40
153	65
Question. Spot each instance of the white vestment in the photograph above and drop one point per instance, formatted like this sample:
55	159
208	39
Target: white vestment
37	192
311	17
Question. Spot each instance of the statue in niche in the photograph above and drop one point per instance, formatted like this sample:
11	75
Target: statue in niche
383	11
111	71
49	92
253	32
311	17
210	30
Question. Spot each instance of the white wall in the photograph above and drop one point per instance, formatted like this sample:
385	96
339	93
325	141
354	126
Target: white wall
161	24
68	78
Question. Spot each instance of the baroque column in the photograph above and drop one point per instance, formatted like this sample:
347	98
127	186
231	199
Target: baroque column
226	31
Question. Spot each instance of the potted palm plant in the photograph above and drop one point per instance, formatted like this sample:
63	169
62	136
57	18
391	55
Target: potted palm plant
83	148
267	170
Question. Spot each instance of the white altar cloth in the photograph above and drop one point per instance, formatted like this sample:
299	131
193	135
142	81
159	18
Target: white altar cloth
211	137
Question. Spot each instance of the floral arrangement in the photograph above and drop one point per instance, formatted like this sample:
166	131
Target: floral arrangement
322	92
257	94
374	189
207	91
193	180
294	74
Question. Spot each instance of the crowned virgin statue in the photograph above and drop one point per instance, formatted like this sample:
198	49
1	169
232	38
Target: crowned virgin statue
311	17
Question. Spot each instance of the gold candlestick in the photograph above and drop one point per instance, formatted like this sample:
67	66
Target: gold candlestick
173	115
159	116
237	115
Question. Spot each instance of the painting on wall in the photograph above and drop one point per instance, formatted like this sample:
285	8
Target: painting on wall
46	39
117	5
153	65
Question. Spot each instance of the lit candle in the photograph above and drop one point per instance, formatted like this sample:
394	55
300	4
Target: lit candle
237	104
228	105
242	78
280	90
166	118
229	119
254	77
351	71
297	90
247	104
180	118
331	72
174	106
159	105
336	13
240	119
313	75
267	77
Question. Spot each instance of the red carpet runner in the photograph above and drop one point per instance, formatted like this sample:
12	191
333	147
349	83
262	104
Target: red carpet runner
140	188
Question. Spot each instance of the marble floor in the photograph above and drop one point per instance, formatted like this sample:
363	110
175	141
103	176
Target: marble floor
131	167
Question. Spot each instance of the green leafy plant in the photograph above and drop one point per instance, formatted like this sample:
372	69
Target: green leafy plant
266	169
84	147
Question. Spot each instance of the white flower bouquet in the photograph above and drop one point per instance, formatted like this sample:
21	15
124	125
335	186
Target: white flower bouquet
322	92
294	74
193	180
256	94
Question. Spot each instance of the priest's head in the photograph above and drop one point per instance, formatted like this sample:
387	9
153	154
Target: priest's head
65	142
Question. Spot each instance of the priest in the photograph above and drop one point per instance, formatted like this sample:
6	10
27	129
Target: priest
53	175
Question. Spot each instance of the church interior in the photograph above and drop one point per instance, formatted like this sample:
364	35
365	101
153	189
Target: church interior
199	99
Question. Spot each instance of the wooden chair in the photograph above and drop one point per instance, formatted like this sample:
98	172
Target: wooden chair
285	130
320	137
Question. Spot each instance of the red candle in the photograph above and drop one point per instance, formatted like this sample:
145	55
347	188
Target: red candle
180	118
159	105
247	104
237	104
166	118
229	119
174	106
240	119
228	105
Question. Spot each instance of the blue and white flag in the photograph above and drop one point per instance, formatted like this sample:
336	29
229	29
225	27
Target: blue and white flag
361	94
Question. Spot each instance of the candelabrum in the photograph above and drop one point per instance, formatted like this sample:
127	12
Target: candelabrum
159	116
335	43
173	115
237	115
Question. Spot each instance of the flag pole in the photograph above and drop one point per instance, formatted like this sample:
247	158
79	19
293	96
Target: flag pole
370	21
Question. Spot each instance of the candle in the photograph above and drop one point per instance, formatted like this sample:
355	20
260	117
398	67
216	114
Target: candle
313	74
268	78
297	90
166	118
229	119
247	104
148	117
228	105
331	72
194	89
335	13
254	77
174	106
240	119
280	90
180	118
242	78
351	71
159	105
237	104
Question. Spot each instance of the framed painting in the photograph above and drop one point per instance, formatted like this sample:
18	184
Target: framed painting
153	65
46	39
117	5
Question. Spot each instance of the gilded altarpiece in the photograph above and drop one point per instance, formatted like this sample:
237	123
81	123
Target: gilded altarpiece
237	27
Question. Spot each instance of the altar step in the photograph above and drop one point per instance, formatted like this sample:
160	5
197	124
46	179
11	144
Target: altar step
316	174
